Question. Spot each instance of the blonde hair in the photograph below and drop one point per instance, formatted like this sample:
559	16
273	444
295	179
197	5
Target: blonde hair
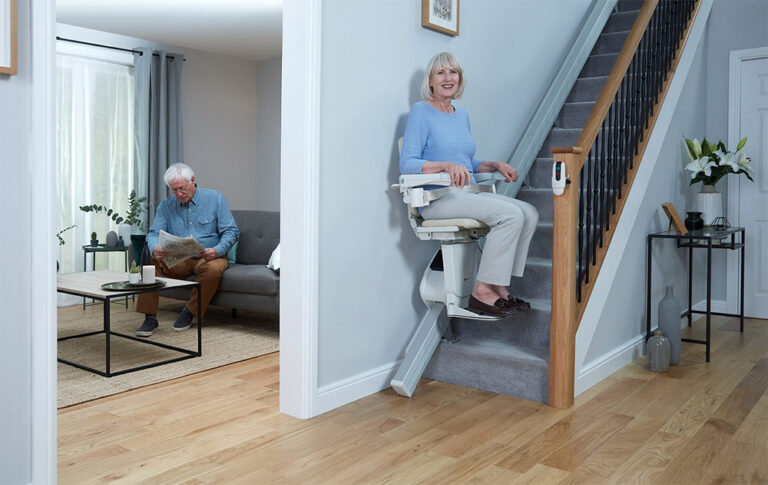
439	61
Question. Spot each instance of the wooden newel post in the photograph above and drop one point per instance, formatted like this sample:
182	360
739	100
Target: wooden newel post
563	326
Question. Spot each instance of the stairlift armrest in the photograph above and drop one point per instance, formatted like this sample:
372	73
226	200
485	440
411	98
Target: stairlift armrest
420	179
488	177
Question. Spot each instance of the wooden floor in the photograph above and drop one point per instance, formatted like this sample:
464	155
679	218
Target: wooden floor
699	423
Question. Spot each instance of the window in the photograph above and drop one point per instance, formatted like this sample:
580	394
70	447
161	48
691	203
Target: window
95	142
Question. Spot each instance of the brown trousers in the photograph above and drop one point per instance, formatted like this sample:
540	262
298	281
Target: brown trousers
208	274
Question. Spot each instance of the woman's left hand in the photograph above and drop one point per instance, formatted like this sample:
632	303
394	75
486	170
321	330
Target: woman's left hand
508	171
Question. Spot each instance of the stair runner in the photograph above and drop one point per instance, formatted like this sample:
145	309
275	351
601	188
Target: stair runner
511	356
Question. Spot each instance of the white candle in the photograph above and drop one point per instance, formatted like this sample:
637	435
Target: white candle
148	274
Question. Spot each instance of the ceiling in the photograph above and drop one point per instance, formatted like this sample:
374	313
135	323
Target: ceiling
249	29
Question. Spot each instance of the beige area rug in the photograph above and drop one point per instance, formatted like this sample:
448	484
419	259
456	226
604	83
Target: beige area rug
225	340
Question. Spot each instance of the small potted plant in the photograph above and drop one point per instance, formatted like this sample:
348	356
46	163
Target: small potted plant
130	227
134	274
94	239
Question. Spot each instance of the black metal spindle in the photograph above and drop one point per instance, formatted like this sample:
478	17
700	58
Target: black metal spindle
588	209
581	234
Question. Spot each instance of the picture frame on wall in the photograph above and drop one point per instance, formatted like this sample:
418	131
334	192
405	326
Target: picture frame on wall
441	15
8	36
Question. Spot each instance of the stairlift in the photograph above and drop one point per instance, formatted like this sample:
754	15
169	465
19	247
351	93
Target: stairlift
449	279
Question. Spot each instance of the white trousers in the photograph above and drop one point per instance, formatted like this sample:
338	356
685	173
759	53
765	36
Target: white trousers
512	223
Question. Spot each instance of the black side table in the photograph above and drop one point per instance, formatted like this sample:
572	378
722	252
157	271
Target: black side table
102	248
708	239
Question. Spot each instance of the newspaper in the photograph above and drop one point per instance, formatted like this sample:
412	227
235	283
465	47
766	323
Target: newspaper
178	248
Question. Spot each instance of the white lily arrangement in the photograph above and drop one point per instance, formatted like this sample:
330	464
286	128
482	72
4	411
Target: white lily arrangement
710	163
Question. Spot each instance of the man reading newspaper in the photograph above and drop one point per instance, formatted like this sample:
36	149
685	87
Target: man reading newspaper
191	234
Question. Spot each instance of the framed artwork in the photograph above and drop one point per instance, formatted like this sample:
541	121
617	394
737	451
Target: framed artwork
674	218
8	36
441	15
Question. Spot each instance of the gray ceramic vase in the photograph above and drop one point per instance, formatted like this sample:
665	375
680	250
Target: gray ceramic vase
669	324
111	239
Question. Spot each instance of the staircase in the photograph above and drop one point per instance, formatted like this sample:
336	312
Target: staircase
511	356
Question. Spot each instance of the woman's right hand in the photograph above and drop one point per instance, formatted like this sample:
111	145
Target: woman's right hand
459	174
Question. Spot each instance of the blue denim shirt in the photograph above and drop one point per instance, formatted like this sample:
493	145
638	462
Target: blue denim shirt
206	217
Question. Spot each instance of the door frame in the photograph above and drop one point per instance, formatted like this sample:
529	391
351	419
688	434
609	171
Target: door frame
299	206
299	220
734	191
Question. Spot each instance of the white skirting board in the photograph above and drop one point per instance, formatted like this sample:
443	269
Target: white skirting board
720	306
595	371
355	387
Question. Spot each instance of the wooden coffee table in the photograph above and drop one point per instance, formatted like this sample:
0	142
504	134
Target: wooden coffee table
89	285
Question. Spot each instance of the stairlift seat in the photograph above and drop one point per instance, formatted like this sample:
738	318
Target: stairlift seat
454	224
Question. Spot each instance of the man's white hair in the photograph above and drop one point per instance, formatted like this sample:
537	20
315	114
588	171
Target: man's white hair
178	170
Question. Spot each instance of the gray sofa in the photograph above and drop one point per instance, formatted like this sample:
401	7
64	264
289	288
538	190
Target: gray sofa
249	284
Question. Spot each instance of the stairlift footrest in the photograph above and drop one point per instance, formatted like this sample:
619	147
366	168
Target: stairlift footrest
454	311
420	350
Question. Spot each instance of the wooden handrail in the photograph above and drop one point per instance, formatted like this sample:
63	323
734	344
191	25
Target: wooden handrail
566	311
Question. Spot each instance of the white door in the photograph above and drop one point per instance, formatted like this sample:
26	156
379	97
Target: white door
753	196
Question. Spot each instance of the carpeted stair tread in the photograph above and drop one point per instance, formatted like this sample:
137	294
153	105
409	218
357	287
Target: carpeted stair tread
621	21
586	89
541	244
536	282
539	198
610	42
493	365
624	5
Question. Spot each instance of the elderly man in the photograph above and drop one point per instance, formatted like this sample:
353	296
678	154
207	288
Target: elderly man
192	211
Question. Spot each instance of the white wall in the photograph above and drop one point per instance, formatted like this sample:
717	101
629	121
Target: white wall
220	116
15	285
373	57
267	189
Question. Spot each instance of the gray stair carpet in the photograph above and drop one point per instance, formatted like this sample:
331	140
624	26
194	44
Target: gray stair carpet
511	356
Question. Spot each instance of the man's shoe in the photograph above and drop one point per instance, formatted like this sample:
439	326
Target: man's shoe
498	309
183	321
148	327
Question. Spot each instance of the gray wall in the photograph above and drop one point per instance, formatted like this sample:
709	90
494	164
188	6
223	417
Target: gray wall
267	190
373	57
702	111
15	284
221	111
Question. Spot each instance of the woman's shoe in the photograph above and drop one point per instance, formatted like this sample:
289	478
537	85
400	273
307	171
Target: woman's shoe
517	303
498	309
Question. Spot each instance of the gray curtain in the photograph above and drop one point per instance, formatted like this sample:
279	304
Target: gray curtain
158	122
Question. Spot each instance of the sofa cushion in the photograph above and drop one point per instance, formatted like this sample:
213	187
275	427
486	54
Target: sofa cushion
259	235
250	278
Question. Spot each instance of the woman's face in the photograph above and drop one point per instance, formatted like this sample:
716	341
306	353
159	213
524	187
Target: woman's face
444	83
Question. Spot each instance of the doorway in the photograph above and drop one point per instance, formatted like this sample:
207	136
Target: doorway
747	201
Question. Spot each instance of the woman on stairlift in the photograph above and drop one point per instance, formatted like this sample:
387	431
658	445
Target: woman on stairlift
438	139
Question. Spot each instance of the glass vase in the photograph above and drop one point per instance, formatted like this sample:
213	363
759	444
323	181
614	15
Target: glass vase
658	352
